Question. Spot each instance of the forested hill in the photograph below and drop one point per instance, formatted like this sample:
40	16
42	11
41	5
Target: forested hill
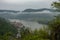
40	10
13	11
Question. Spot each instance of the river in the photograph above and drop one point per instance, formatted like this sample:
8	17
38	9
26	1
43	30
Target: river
31	24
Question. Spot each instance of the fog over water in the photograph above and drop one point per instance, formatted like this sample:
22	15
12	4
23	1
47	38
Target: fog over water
30	24
29	19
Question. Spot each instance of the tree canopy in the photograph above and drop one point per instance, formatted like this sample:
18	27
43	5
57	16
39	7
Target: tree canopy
56	5
6	27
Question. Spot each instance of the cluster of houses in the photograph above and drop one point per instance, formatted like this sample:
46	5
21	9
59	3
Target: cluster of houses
18	25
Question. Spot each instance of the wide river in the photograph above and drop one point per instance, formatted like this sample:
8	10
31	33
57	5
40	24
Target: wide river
31	24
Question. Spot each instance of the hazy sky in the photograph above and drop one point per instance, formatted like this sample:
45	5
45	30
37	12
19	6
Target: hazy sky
24	4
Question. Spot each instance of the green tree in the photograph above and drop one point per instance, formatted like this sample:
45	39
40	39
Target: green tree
6	28
54	27
41	34
56	5
24	32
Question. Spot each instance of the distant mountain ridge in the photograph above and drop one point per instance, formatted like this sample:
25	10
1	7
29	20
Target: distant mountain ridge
40	10
9	11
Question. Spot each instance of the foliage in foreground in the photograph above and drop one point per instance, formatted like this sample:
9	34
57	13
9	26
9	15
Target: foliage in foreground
56	5
41	34
54	27
6	30
55	24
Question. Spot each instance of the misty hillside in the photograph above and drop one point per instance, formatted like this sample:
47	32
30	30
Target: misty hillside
33	16
12	11
41	18
40	10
